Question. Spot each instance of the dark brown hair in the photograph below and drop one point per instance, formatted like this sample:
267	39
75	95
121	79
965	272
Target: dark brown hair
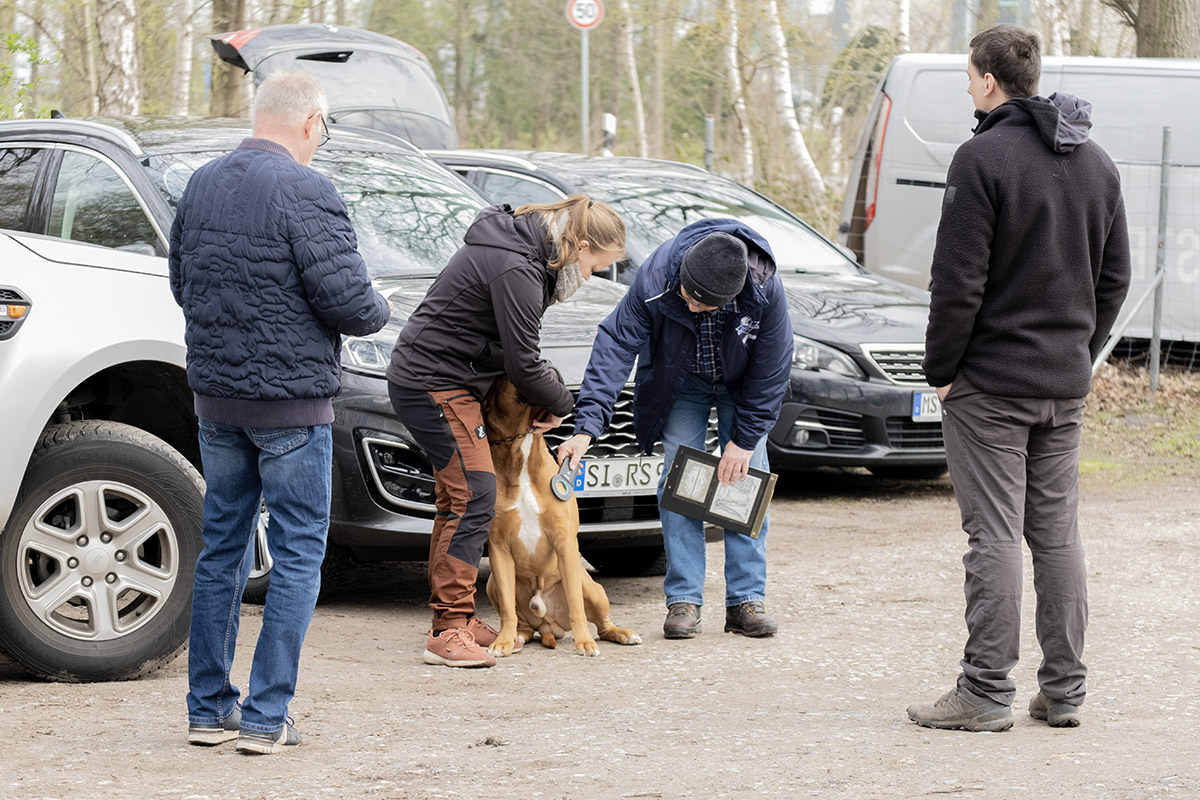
1013	55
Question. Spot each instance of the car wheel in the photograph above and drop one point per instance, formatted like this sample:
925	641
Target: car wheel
260	573
334	568
628	561
927	472
97	558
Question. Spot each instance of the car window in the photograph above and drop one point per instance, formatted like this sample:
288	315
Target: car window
18	168
409	213
658	206
517	190
93	204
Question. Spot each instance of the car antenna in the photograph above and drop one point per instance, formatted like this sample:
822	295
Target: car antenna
56	114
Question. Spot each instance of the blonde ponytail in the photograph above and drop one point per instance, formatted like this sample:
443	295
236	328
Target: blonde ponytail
585	221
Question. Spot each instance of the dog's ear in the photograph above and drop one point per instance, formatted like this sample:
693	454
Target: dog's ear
493	395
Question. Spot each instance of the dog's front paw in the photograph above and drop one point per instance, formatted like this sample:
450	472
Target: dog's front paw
502	648
586	647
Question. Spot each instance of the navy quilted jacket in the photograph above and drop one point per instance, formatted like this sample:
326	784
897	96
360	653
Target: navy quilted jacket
265	264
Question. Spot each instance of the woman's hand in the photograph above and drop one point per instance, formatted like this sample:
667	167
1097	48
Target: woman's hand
545	424
574	448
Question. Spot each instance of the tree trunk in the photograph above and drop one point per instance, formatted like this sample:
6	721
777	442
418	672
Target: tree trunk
118	58
987	15
182	75
90	66
230	97
1168	29
744	163
785	108
661	40
635	85
462	66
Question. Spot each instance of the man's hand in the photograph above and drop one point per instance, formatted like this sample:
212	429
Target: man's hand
943	391
574	448
547	423
735	463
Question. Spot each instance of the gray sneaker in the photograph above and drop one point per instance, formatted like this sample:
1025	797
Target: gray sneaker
961	709
259	743
1057	715
216	733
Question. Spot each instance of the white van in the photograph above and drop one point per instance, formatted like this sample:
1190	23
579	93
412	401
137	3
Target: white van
922	112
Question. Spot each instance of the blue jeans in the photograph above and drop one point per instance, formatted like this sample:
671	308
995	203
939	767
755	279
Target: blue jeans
745	558
291	470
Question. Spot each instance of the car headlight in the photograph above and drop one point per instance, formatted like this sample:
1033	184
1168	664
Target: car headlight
363	354
815	356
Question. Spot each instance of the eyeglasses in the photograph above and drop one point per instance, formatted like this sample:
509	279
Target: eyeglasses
324	132
693	305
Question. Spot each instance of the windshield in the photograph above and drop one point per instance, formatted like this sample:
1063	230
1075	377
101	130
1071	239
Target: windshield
409	213
657	206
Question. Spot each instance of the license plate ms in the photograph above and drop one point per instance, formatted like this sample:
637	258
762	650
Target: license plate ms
618	476
926	407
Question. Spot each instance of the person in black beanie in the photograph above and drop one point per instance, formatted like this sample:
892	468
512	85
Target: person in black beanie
706	319
1029	272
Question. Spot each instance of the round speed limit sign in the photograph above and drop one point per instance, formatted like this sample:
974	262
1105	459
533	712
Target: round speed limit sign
585	14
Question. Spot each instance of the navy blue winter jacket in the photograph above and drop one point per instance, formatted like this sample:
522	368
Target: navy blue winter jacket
653	324
265	264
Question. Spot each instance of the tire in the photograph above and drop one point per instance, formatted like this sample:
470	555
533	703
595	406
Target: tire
89	599
628	561
926	472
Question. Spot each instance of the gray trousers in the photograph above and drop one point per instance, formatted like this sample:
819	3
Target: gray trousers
1014	463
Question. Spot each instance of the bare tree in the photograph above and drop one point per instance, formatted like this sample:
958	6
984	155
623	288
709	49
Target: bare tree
1165	28
117	62
182	74
230	97
635	85
744	164
785	109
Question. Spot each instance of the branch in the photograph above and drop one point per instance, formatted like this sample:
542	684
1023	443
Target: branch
1127	9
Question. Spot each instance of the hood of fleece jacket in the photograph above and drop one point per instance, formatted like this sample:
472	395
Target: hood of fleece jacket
495	226
1063	120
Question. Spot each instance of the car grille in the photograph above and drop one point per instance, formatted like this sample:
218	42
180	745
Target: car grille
619	441
844	431
904	434
900	363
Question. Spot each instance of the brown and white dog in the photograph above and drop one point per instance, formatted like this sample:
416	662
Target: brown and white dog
538	582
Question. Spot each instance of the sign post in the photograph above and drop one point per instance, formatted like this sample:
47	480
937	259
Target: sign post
586	15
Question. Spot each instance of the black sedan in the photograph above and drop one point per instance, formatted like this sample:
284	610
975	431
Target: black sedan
858	396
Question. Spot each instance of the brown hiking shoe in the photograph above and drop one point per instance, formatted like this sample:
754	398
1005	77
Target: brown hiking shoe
485	634
750	619
683	621
456	647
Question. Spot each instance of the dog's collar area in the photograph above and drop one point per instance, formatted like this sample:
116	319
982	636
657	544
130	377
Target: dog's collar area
508	439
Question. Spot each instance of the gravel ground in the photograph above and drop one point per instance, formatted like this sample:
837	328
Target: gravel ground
866	580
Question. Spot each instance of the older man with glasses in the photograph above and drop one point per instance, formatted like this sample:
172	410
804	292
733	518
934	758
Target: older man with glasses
264	262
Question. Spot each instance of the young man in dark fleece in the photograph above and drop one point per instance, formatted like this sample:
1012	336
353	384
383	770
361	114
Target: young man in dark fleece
1029	272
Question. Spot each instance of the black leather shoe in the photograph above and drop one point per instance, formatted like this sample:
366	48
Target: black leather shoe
750	619
683	621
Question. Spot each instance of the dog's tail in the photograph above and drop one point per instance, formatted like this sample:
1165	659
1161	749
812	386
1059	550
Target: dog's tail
536	604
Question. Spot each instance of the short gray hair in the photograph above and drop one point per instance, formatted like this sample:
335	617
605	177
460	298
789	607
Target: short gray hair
288	98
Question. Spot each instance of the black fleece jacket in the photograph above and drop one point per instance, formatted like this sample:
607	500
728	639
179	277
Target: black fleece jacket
1032	258
481	317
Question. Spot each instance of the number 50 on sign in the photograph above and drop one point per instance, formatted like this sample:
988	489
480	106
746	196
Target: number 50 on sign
585	14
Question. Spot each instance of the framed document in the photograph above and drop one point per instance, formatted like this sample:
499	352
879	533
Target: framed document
692	489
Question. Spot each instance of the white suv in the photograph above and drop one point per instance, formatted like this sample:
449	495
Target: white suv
100	516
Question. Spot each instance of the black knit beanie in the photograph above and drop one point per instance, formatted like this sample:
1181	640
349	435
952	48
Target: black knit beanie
714	269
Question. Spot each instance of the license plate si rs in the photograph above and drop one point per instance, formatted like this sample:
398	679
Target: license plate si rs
926	407
618	476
